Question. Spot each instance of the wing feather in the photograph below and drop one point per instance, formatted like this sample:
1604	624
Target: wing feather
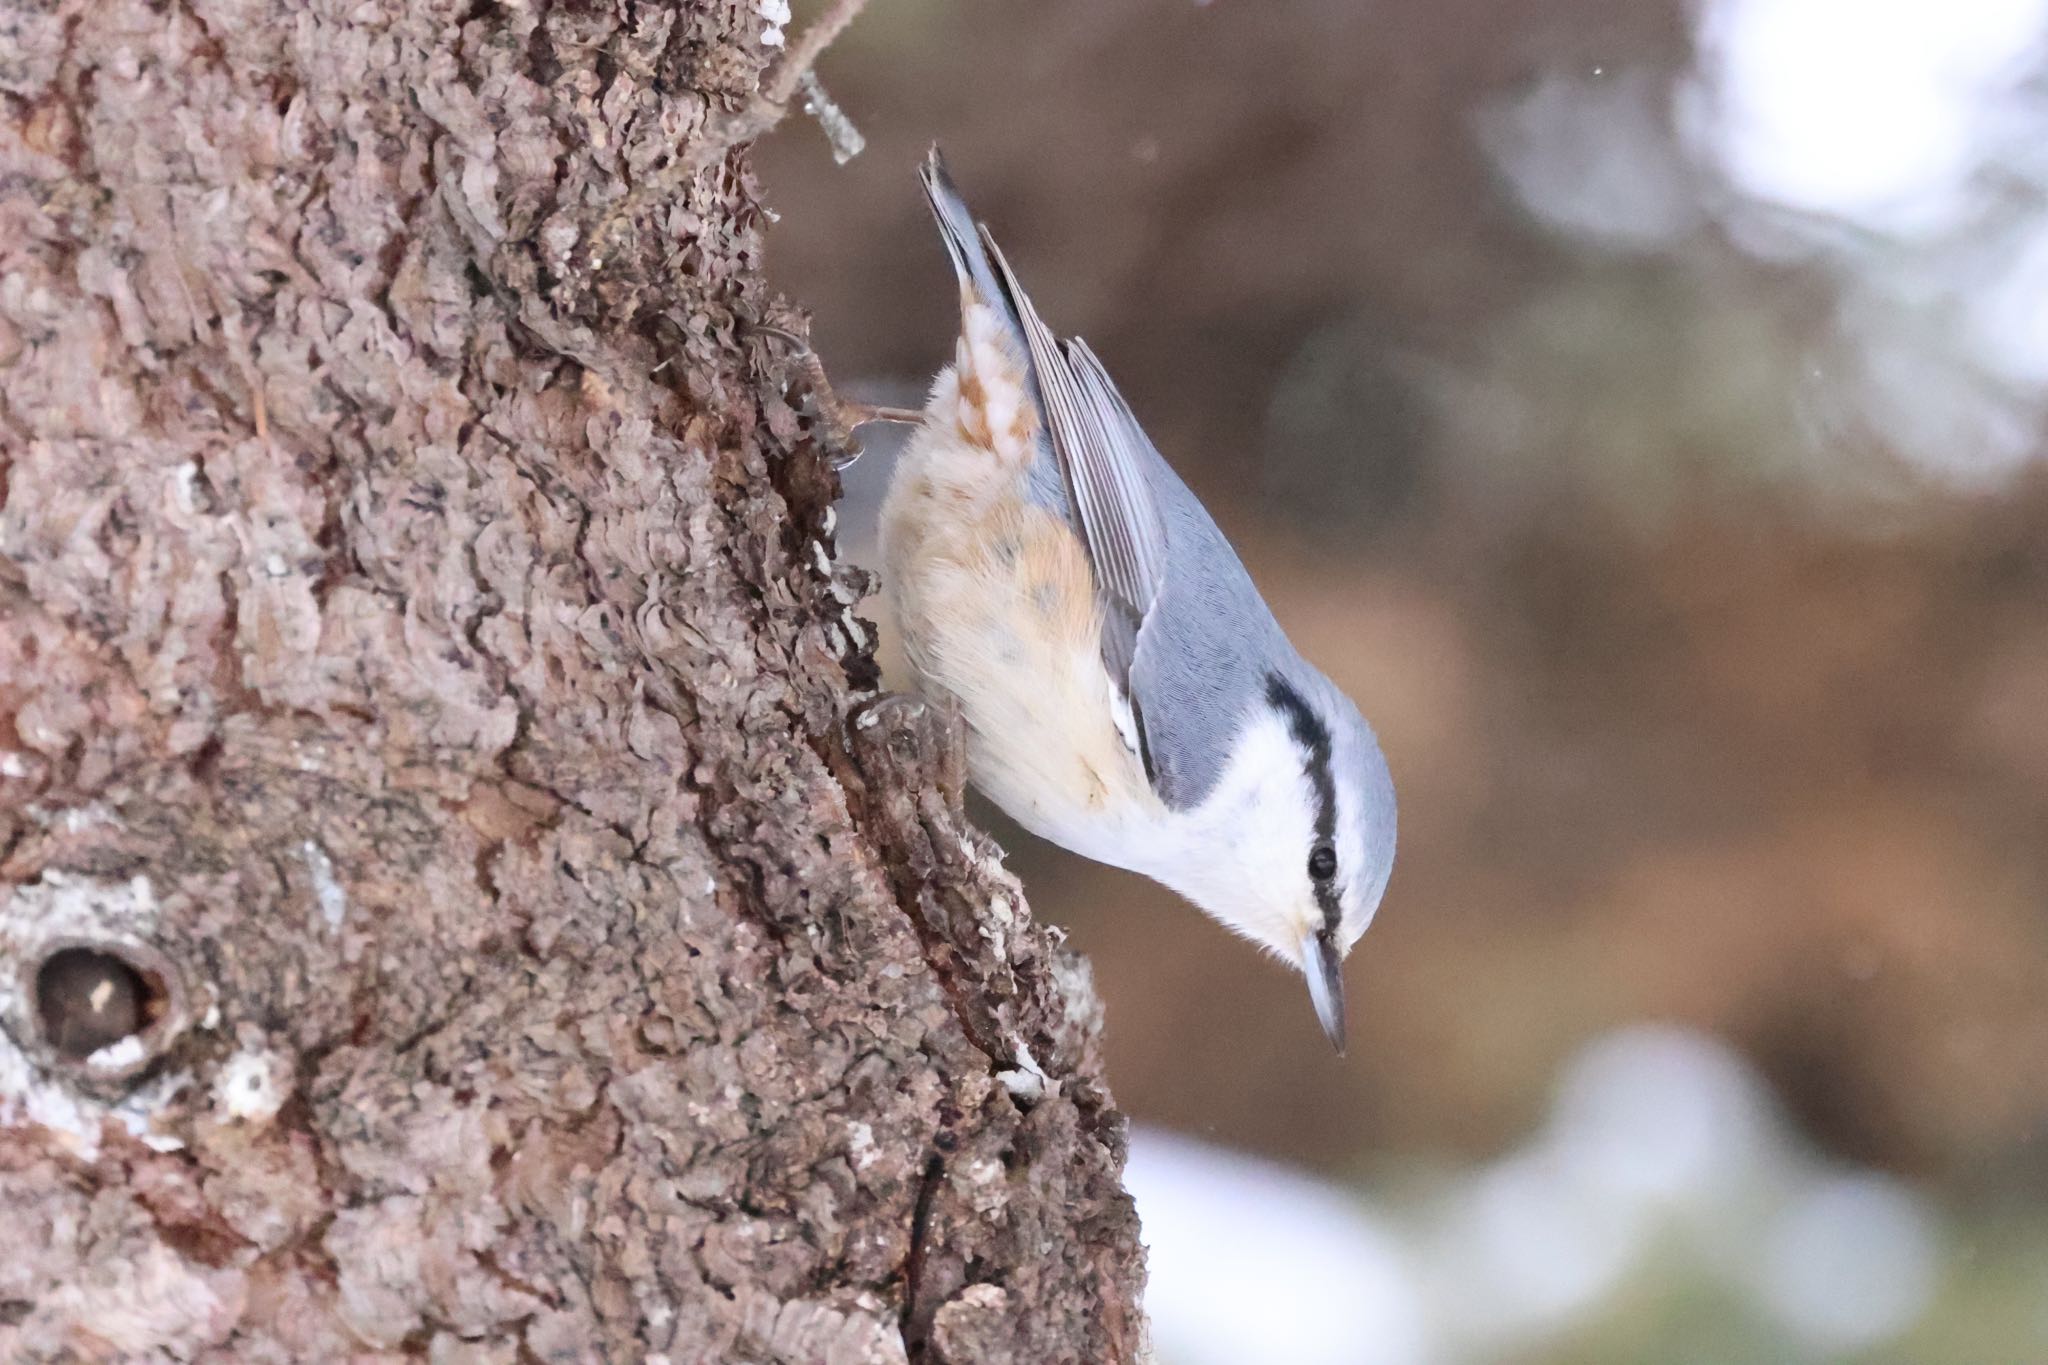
1187	655
1133	531
1103	453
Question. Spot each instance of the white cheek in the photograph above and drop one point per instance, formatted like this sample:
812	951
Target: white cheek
1246	847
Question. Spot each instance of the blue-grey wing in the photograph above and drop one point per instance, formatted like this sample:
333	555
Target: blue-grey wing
1185	635
1196	659
1205	653
1100	451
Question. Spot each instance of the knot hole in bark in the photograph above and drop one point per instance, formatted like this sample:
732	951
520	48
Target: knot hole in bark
88	999
85	992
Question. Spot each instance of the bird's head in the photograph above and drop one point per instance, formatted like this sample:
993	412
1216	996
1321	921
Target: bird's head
1297	836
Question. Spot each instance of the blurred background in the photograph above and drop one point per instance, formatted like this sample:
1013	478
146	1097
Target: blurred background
1639	408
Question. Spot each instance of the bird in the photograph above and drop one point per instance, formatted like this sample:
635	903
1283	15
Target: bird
1125	690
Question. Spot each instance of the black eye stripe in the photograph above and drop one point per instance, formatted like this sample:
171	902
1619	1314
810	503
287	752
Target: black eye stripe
1313	738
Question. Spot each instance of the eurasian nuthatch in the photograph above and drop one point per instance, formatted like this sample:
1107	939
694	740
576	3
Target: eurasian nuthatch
1126	691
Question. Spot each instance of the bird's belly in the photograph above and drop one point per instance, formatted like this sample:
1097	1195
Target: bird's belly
995	603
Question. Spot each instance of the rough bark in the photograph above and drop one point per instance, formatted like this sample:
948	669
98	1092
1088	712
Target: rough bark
455	901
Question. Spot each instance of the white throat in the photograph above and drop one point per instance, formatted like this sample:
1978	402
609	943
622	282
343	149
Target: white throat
1239	855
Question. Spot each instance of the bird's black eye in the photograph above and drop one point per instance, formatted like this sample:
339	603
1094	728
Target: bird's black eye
1322	862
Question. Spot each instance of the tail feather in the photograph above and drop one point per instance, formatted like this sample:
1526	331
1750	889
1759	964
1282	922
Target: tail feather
991	391
965	243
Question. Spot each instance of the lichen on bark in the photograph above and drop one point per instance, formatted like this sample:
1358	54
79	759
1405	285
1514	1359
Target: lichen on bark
429	698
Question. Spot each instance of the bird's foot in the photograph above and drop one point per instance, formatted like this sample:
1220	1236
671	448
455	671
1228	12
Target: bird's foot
837	417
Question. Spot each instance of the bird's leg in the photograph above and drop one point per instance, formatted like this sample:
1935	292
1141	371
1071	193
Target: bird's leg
839	416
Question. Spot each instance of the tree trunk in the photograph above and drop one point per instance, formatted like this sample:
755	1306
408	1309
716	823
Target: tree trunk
457	901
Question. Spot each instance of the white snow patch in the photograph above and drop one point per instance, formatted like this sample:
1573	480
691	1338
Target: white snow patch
1850	1262
776	12
63	906
1880	113
11	765
1026	1081
187	477
860	1144
1595	158
117	1056
1251	1261
27	1096
247	1088
333	901
79	818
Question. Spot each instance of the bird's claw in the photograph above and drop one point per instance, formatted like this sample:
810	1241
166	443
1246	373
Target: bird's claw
837	417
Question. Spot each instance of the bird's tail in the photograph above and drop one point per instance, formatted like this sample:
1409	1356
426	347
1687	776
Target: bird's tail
969	247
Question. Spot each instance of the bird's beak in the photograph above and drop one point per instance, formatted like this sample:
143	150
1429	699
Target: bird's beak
1325	972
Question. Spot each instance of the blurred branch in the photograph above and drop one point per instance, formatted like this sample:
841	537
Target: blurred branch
845	139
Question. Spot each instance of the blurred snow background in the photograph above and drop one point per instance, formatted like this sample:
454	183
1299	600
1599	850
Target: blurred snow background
1664	1172
1894	149
1640	406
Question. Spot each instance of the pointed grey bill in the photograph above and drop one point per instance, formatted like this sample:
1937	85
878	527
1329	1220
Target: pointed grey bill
1324	969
